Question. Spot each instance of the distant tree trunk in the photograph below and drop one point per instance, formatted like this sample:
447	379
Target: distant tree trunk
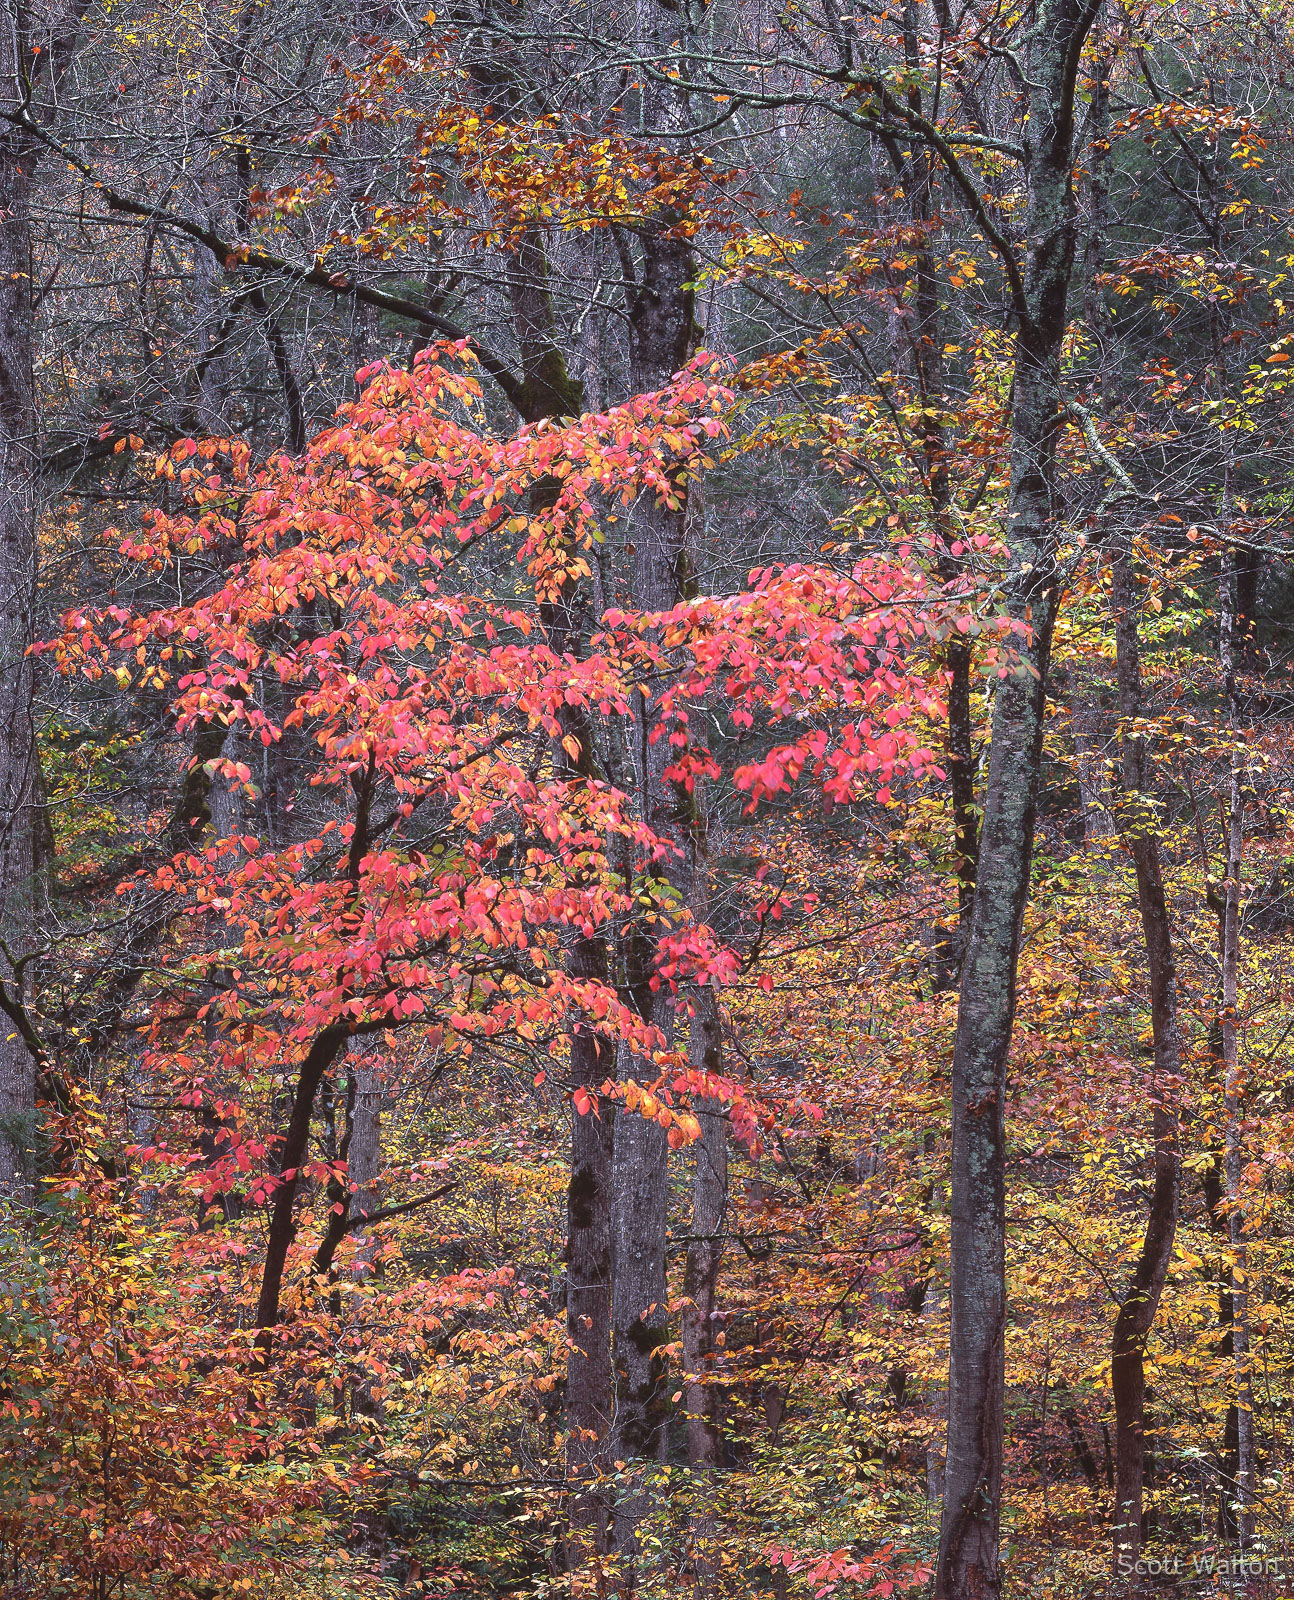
705	1246
360	1149
1093	787
916	169
215	318
961	781
1212	1184
1139	829
916	172
226	809
969	1535
588	1279
20	788
1248	581
704	1259
936	1406
1234	593
371	1527
700	1291
1098	197
362	1153
662	336
364	1145
1233	1159
151	915
1083	1456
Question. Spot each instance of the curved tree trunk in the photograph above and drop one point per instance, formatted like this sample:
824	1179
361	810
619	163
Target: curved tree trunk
1132	1326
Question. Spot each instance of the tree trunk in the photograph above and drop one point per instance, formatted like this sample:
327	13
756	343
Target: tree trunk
961	781
364	1146
640	1164
1089	766
639	1193
704	1259
1099	167
969	1534
215	320
1233	1158
662	336
936	1399
1085	716
547	390
1137	1312
588	1280
19	776
700	1292
705	1246
916	172
296	1141
1211	1182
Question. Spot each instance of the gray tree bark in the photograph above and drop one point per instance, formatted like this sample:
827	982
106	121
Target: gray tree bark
1233	1156
916	170
588	1280
1093	789
969	1534
700	1288
19	773
662	336
547	390
1139	828
705	1245
640	1326
364	1147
